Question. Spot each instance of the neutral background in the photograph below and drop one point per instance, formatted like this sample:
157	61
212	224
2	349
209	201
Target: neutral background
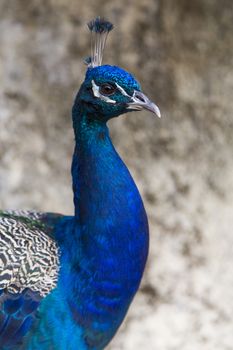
181	52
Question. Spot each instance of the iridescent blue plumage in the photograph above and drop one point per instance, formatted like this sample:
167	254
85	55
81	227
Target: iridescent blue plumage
113	73
73	278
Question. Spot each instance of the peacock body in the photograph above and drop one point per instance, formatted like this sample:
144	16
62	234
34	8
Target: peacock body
66	282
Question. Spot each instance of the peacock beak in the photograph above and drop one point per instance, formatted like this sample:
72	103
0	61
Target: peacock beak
141	101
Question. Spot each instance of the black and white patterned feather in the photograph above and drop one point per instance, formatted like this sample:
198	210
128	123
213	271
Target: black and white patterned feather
29	256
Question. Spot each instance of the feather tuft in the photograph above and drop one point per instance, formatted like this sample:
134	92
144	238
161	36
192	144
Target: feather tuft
99	28
100	25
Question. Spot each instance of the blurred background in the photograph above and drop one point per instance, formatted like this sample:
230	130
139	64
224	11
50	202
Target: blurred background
182	53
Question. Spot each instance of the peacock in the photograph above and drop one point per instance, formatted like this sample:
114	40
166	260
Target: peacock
66	282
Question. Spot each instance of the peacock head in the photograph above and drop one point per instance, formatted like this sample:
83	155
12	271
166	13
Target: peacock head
109	91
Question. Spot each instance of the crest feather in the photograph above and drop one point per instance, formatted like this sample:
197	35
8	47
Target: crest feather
99	28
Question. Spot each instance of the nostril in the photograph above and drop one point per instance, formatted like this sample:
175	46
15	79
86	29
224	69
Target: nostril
140	97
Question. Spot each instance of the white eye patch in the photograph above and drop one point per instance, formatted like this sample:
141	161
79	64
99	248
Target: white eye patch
122	91
96	92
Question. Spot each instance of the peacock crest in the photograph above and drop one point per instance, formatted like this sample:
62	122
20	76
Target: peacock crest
99	28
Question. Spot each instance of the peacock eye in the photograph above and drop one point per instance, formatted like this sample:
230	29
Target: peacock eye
107	89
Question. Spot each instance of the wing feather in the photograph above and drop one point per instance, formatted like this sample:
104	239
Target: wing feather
29	266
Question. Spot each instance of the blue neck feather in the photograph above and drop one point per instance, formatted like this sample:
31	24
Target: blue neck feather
108	256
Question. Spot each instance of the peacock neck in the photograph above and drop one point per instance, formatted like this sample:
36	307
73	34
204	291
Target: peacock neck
112	227
92	143
106	199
